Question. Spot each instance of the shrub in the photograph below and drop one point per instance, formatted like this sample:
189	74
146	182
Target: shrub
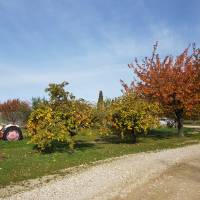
58	119
46	126
132	115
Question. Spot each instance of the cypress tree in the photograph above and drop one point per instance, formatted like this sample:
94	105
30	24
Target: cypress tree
100	102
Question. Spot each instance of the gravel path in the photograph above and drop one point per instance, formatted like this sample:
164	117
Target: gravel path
180	182
112	180
191	126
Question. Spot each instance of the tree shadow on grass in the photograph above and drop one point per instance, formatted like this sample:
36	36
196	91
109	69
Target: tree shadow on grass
159	134
82	145
63	147
155	134
168	133
114	139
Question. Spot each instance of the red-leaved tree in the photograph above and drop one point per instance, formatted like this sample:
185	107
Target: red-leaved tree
15	111
173	82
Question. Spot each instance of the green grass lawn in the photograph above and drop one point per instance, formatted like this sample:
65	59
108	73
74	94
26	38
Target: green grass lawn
19	161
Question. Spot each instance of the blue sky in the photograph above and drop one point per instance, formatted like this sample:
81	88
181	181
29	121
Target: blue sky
86	42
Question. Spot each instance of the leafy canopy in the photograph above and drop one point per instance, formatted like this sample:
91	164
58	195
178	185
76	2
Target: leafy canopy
15	111
173	82
133	115
58	119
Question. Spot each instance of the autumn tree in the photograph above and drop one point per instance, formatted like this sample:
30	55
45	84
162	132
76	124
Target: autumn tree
58	119
173	82
15	111
132	115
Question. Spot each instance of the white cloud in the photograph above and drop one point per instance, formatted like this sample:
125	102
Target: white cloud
80	47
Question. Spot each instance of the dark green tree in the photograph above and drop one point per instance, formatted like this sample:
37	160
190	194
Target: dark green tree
38	102
100	103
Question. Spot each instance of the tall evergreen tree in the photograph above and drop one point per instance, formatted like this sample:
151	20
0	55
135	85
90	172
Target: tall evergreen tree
100	102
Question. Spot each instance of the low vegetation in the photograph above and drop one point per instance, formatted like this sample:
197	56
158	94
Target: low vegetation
62	117
132	116
20	161
59	119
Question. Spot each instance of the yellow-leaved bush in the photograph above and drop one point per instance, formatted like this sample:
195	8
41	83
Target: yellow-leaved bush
46	126
133	115
58	119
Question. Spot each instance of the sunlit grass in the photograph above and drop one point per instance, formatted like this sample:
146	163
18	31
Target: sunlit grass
19	161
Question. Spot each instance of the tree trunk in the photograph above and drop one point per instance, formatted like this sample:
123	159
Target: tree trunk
180	127
133	137
179	117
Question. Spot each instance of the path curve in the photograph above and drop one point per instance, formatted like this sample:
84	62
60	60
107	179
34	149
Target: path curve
112	180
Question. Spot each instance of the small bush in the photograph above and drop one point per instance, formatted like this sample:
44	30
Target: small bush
58	119
132	115
46	126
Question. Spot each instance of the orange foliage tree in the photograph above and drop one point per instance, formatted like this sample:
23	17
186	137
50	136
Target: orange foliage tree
173	82
15	111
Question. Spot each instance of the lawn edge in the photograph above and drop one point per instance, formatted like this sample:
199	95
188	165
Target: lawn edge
30	184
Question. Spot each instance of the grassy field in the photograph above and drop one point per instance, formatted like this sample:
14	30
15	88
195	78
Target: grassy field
19	161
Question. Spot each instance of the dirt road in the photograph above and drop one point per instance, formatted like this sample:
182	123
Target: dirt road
169	174
180	182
